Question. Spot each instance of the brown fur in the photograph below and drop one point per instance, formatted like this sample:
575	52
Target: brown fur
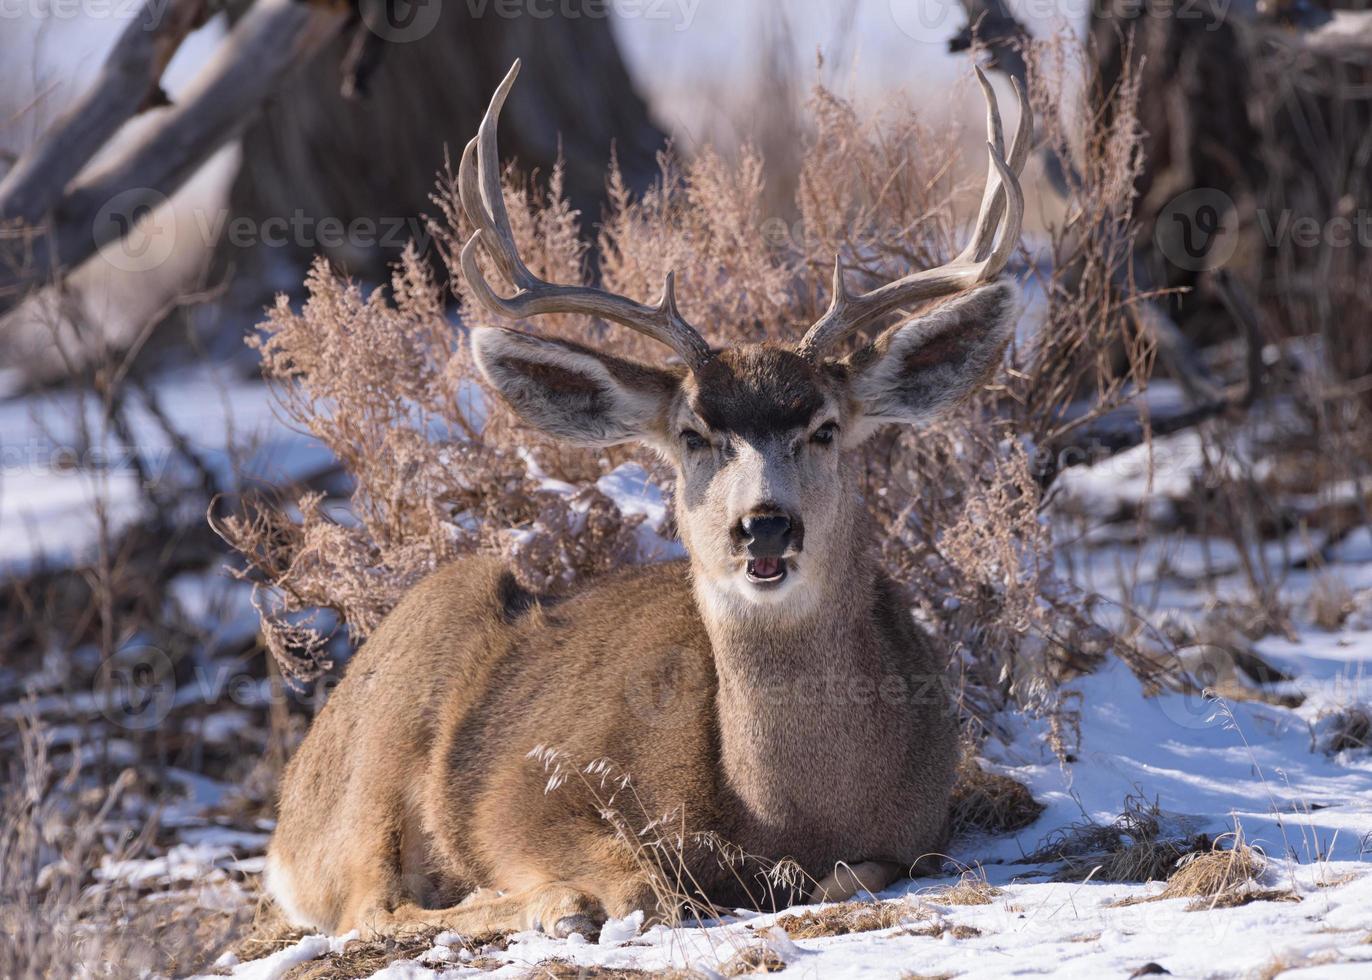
437	772
808	723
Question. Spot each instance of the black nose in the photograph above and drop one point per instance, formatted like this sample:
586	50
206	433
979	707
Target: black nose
767	536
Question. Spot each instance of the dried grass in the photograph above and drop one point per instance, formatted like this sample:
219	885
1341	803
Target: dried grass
58	918
1225	874
1132	848
972	889
567	970
1345	729
1221	877
989	803
663	847
1330	602
849	917
753	959
362	958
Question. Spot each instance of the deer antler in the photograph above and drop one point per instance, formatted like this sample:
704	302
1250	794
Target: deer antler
980	261
478	179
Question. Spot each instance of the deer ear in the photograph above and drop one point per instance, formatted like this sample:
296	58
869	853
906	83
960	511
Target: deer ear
919	367
578	394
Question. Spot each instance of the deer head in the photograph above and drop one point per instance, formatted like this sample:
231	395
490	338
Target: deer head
760	434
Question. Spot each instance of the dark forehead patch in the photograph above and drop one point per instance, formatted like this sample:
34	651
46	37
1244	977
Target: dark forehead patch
757	389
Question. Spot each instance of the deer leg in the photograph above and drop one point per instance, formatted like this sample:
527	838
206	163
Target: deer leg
557	908
847	880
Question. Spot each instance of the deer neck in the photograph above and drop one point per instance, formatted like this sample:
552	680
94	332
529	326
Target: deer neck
792	689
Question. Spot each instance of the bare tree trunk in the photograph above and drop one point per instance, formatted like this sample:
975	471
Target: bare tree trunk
1195	73
350	177
1316	116
52	223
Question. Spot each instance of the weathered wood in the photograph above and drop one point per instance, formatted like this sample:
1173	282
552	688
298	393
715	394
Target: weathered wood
316	154
272	39
126	84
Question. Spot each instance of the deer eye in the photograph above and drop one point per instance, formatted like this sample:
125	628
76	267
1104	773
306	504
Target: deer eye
824	435
694	440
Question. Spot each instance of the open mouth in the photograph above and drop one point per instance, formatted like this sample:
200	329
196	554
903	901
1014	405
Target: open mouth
766	571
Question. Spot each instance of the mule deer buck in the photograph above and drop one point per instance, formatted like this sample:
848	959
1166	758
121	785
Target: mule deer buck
770	691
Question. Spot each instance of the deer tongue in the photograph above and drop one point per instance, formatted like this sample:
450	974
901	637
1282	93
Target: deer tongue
765	568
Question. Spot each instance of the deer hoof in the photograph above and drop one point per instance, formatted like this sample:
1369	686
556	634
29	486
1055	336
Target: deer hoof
579	924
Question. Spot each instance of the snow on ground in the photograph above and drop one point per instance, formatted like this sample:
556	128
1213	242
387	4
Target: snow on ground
1210	765
57	459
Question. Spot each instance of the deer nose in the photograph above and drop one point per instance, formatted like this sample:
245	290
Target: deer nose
766	535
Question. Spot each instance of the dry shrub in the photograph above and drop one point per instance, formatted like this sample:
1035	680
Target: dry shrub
1330	602
1345	729
58	918
1221	877
849	917
441	469
988	803
972	889
363	958
567	970
1132	848
754	959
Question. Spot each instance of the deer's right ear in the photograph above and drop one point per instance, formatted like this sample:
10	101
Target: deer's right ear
918	368
578	394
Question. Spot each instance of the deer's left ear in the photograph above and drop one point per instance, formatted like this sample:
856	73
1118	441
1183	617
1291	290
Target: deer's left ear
922	366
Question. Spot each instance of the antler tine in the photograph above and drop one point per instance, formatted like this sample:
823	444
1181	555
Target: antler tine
993	198
983	258
478	180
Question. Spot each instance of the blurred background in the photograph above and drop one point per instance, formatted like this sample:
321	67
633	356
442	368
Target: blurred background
1197	249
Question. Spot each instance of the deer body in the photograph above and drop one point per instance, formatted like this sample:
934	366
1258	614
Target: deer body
771	693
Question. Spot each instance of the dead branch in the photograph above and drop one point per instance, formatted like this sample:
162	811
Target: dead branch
1108	436
126	85
272	39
